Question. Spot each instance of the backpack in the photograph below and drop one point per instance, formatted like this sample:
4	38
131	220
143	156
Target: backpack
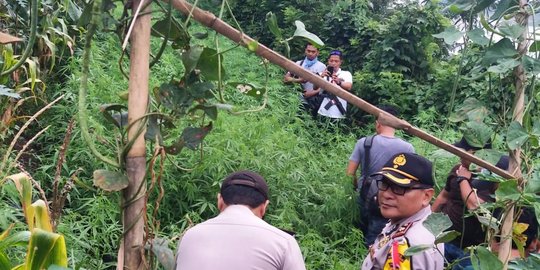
368	189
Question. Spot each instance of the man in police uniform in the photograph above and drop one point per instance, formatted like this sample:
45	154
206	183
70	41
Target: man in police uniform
405	186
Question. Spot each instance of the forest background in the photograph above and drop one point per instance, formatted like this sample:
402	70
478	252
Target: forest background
407	54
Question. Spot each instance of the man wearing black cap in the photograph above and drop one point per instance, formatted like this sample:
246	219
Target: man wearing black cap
405	190
332	106
238	238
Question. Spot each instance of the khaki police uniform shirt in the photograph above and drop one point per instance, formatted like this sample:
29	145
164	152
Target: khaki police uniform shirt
238	240
389	247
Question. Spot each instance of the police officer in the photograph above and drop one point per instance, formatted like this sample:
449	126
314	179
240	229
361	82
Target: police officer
405	186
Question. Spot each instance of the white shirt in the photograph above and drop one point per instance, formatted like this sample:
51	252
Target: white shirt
333	111
238	240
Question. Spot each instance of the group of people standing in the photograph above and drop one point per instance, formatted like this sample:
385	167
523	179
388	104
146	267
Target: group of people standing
395	192
314	99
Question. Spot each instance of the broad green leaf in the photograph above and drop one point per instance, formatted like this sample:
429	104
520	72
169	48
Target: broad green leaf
533	183
165	256
302	32
110	181
502	8
535	46
209	110
513	31
502	49
271	22
417	249
194	136
504	65
106	110
201	90
460	6
45	248
208	64
536	127
5	91
446	237
190	58
477	134
507	190
42	219
485	217
516	135
471	109
178	35
483	259
531	65
450	35
477	36
489	155
436	223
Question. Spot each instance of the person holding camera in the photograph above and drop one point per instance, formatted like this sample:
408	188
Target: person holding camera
310	98
332	106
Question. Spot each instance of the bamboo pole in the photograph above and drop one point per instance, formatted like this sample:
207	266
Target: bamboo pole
134	199
210	20
505	245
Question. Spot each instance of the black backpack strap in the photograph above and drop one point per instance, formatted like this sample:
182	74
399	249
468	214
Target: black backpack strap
368	142
367	147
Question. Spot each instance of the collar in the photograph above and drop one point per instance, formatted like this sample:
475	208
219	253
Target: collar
424	212
238	209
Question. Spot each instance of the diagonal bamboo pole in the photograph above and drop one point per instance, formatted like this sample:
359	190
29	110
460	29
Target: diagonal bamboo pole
210	20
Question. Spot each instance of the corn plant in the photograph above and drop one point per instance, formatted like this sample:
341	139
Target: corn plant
45	248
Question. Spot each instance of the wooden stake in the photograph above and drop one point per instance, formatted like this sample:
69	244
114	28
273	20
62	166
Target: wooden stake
505	244
134	199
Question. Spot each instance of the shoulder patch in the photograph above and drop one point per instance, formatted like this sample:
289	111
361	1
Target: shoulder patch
402	230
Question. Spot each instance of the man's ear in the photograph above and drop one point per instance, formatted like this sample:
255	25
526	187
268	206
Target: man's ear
221	203
428	195
261	209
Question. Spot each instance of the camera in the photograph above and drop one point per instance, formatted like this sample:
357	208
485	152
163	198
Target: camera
330	70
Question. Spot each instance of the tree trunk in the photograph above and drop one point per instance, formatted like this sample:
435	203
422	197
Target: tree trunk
134	199
505	245
211	21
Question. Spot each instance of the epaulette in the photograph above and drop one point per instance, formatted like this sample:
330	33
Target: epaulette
402	230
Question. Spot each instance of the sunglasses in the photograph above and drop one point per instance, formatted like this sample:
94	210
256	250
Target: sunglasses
383	185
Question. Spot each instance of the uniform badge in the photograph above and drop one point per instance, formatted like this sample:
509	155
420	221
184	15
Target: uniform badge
399	161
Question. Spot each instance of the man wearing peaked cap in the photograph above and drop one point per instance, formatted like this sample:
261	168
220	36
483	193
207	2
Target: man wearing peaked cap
405	186
238	238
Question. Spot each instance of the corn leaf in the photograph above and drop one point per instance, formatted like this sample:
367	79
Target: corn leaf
45	249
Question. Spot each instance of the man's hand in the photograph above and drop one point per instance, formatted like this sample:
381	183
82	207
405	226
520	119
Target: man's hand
463	172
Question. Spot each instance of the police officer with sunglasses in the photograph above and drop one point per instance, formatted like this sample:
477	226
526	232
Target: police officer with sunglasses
405	186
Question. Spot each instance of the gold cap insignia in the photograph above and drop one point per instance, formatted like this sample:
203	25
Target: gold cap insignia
399	161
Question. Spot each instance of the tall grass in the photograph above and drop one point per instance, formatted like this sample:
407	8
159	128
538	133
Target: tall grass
303	163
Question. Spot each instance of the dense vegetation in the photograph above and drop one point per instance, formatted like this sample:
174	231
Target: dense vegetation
390	48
